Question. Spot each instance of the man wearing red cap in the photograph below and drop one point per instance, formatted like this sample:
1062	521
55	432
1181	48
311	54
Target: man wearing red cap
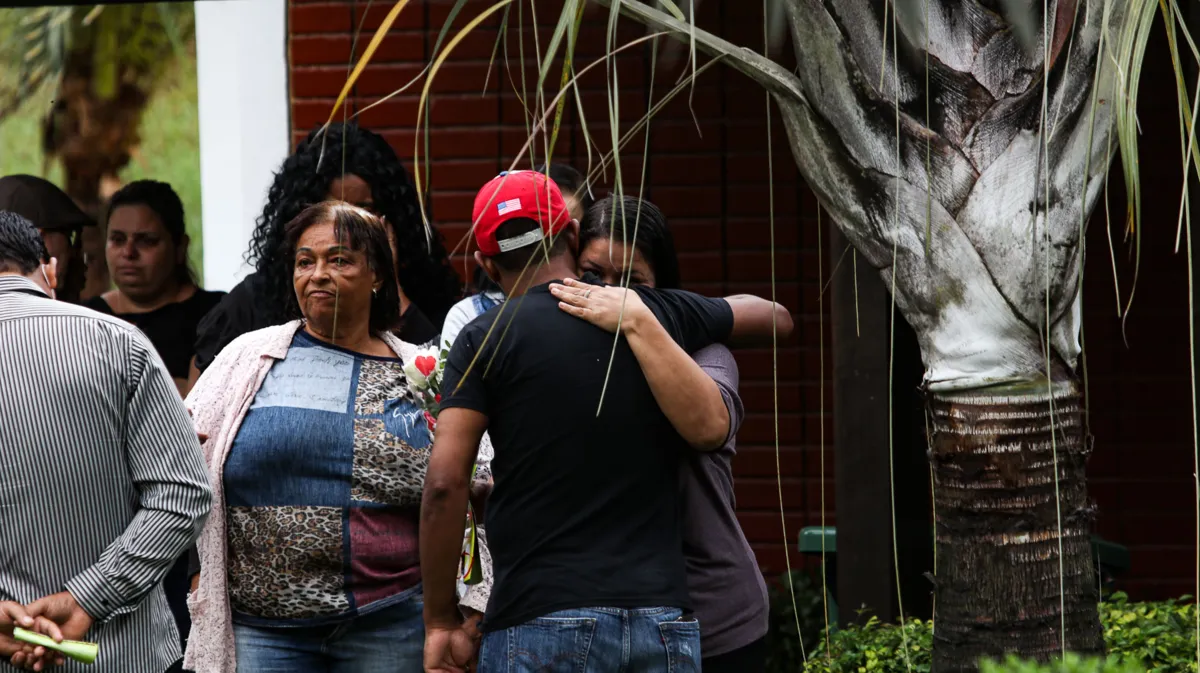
583	523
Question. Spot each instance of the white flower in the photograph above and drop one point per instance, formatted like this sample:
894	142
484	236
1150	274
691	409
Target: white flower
416	380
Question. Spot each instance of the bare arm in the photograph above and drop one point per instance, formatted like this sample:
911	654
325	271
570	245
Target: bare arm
444	510
687	396
753	320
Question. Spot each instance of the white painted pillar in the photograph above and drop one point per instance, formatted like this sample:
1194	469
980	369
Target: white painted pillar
242	77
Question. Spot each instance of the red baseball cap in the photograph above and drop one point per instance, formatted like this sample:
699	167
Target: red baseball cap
513	194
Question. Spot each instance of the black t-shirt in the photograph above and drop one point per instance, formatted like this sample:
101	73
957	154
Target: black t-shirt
171	328
242	311
584	509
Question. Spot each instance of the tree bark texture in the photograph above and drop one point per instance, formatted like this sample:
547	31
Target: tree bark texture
961	145
998	586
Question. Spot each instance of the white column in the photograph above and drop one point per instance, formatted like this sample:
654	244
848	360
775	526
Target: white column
241	63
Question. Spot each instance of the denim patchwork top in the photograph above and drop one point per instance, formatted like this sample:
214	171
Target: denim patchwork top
323	485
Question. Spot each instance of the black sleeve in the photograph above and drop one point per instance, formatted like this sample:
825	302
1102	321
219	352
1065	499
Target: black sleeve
232	317
416	328
97	303
193	558
462	384
692	321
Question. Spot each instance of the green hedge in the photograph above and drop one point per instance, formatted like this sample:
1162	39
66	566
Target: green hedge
874	647
1161	636
1072	663
1144	637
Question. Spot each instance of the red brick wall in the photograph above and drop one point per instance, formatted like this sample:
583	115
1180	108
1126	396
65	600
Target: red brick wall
1141	416
711	181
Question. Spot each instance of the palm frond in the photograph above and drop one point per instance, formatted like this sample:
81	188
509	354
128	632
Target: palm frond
437	64
1130	52
132	44
774	77
34	40
568	60
1121	50
380	32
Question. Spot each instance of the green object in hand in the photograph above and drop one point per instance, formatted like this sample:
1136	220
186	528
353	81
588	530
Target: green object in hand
84	653
470	567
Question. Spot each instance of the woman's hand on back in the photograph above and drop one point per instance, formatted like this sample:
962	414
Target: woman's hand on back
604	306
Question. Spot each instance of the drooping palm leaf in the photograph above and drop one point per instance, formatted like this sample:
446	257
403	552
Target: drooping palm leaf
971	209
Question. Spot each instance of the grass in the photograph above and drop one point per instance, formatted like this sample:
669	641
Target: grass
170	149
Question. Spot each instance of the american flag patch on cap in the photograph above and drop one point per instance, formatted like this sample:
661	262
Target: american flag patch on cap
508	206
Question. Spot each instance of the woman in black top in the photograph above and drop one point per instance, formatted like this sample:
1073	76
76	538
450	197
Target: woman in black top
351	164
146	253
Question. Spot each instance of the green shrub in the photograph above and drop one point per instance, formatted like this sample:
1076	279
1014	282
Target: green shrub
1072	663
1144	637
1160	636
874	647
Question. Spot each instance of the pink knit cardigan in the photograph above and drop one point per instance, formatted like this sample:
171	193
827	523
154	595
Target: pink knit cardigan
218	403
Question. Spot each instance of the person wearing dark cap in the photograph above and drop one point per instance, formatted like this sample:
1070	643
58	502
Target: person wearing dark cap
60	222
147	256
583	522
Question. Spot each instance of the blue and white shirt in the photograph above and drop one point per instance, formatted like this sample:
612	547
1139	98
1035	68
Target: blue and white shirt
462	313
322	489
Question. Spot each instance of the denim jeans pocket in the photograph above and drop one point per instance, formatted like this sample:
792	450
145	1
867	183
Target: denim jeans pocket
551	645
682	640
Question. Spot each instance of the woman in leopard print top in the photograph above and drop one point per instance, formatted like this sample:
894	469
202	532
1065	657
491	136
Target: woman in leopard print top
320	465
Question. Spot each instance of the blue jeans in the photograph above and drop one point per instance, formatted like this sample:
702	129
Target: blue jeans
596	640
391	640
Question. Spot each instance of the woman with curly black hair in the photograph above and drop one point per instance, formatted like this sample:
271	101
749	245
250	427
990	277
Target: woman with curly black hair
358	167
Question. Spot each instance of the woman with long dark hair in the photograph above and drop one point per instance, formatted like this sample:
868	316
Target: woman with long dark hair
346	163
702	402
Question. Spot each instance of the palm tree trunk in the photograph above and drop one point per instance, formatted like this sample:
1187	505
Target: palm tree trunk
994	455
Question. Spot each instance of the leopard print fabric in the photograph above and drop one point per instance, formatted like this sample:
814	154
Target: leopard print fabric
379	382
286	562
386	469
219	402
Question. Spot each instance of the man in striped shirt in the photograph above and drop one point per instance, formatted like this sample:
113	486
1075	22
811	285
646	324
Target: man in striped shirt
102	484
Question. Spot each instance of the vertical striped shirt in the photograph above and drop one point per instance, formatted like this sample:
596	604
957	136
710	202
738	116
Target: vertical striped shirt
102	483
